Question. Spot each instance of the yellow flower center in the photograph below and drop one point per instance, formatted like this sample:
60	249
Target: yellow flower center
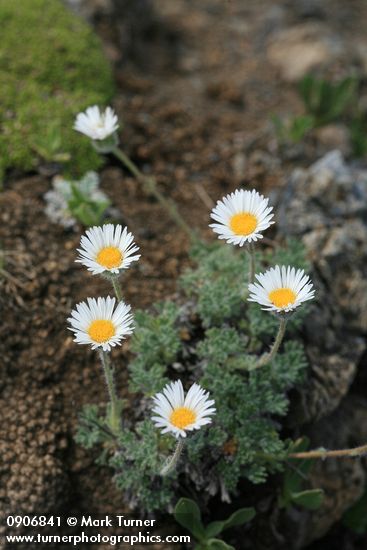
243	223
101	330
282	297
182	417
109	257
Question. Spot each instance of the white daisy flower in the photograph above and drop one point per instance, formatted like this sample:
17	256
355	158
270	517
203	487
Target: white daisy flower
107	248
281	289
98	323
96	124
242	216
177	414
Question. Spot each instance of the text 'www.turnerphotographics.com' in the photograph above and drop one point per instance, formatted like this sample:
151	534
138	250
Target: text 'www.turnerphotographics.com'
86	529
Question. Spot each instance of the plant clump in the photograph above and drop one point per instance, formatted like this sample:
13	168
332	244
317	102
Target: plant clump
212	338
213	335
326	102
71	201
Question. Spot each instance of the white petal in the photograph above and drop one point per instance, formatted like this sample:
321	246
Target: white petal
101	309
98	238
279	277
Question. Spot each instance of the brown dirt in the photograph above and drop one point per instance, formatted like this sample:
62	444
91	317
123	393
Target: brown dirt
194	128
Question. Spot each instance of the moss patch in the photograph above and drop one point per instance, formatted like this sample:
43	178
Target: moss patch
51	67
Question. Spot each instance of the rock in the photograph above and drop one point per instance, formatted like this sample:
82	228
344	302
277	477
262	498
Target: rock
326	207
334	136
336	193
299	49
342	480
343	484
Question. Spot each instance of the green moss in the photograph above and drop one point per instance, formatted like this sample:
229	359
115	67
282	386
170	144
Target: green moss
51	67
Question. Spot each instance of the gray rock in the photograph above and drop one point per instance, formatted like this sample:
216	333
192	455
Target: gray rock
326	207
342	480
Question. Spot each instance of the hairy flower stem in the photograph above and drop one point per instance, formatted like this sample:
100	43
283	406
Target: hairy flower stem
322	454
251	255
114	421
173	460
116	288
268	357
338	453
150	186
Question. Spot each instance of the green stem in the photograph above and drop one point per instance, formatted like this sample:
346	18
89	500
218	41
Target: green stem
172	461
251	254
116	288
150	186
114	421
130	165
268	357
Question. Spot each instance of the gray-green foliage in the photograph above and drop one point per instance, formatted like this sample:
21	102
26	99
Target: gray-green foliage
218	283
156	344
213	338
